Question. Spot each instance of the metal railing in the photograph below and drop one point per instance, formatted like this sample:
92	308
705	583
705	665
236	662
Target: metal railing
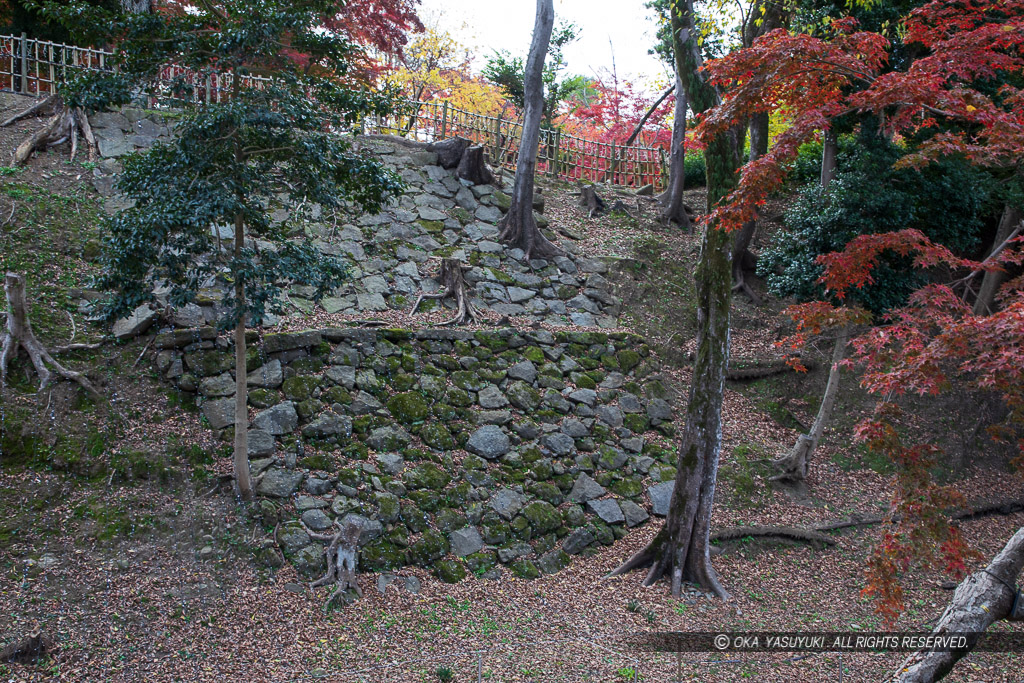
37	67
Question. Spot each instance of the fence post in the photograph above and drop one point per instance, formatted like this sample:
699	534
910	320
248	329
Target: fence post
24	62
53	72
444	120
614	163
497	136
558	146
664	168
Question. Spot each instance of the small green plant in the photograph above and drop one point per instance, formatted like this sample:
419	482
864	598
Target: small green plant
628	673
633	606
444	674
650	616
10	170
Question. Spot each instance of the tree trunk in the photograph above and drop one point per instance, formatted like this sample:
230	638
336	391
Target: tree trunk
243	477
453	280
829	150
681	548
980	600
342	559
741	258
519	228
796	463
993	279
29	649
675	209
137	6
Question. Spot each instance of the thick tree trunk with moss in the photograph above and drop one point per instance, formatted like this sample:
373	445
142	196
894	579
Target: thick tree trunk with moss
519	227
681	549
982	599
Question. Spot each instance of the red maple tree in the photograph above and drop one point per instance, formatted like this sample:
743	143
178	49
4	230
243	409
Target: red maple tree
945	102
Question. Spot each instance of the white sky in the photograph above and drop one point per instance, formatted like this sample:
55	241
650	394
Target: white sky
508	25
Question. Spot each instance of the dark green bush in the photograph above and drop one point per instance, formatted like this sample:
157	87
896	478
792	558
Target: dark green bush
694	170
947	201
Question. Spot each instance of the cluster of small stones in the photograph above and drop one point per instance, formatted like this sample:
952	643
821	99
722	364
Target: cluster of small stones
466	452
393	255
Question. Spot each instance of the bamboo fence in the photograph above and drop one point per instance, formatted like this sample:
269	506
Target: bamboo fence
38	67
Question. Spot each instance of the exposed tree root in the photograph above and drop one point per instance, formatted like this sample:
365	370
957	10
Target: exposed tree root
519	230
63	125
19	334
28	650
773	532
454	283
342	560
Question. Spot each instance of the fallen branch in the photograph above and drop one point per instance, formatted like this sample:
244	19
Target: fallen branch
780	532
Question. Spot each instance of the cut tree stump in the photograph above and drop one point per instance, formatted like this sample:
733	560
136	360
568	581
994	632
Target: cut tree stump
19	335
28	650
466	158
453	281
450	151
473	168
342	560
63	125
591	201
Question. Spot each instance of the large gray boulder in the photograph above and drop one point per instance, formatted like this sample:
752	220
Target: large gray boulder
507	503
525	371
140	320
219	413
661	495
489	442
267	376
328	425
584	489
277	420
279	483
260	443
607	509
465	541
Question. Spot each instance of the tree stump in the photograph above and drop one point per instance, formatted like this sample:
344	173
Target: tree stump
19	334
472	167
342	559
591	201
450	151
453	281
63	125
29	649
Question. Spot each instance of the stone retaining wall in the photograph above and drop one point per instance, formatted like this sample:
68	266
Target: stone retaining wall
464	451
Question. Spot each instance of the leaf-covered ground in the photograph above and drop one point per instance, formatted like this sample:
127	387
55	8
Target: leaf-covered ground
118	540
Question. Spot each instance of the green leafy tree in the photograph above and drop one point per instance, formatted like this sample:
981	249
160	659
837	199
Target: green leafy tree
264	142
508	73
